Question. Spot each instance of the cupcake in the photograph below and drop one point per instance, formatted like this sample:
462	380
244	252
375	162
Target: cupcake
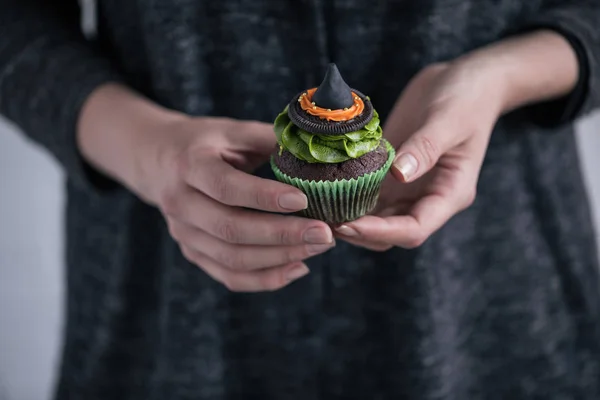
331	148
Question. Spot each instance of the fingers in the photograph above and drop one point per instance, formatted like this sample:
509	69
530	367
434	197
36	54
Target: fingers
250	136
408	231
247	281
350	235
228	185
403	231
422	150
373	246
239	226
242	258
400	208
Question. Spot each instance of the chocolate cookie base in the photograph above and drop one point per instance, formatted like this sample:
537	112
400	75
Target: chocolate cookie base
353	168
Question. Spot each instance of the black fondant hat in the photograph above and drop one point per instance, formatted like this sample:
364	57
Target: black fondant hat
333	93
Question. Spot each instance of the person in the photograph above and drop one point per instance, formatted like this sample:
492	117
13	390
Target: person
475	278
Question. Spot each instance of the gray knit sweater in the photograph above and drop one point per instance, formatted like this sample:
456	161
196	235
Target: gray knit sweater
502	303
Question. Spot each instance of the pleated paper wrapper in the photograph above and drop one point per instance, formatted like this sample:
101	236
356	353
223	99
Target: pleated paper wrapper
339	201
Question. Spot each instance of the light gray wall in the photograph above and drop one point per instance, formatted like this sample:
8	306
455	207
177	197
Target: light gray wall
31	285
31	240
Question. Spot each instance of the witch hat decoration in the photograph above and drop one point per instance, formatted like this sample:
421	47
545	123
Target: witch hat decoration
333	92
332	108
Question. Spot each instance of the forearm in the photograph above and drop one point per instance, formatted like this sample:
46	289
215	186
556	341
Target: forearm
528	69
115	127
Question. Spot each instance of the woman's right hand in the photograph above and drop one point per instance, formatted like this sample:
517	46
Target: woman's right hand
197	172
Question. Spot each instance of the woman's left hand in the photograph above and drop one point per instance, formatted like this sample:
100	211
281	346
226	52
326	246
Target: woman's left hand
440	127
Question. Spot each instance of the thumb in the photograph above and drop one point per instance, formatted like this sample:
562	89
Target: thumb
421	152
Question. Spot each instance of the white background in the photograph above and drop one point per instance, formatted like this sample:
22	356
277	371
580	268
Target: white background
31	242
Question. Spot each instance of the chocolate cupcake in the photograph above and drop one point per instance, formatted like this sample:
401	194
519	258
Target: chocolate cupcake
331	148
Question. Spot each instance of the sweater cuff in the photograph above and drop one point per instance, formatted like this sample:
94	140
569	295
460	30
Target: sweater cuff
43	91
577	28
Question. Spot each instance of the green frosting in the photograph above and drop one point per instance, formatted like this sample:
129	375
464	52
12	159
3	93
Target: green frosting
315	148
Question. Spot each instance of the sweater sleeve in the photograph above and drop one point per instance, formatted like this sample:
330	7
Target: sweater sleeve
47	70
579	22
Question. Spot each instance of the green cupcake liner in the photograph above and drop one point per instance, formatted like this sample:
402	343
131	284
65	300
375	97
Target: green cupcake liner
339	201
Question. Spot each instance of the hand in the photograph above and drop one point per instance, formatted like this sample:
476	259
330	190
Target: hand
441	127
201	190
196	171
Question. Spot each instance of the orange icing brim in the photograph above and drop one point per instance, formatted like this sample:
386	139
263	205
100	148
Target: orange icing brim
331	115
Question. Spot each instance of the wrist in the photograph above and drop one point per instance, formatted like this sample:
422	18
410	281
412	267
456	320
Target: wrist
490	73
115	134
487	84
527	69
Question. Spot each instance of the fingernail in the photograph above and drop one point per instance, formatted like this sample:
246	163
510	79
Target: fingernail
407	164
293	201
346	230
297	271
317	235
318	248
